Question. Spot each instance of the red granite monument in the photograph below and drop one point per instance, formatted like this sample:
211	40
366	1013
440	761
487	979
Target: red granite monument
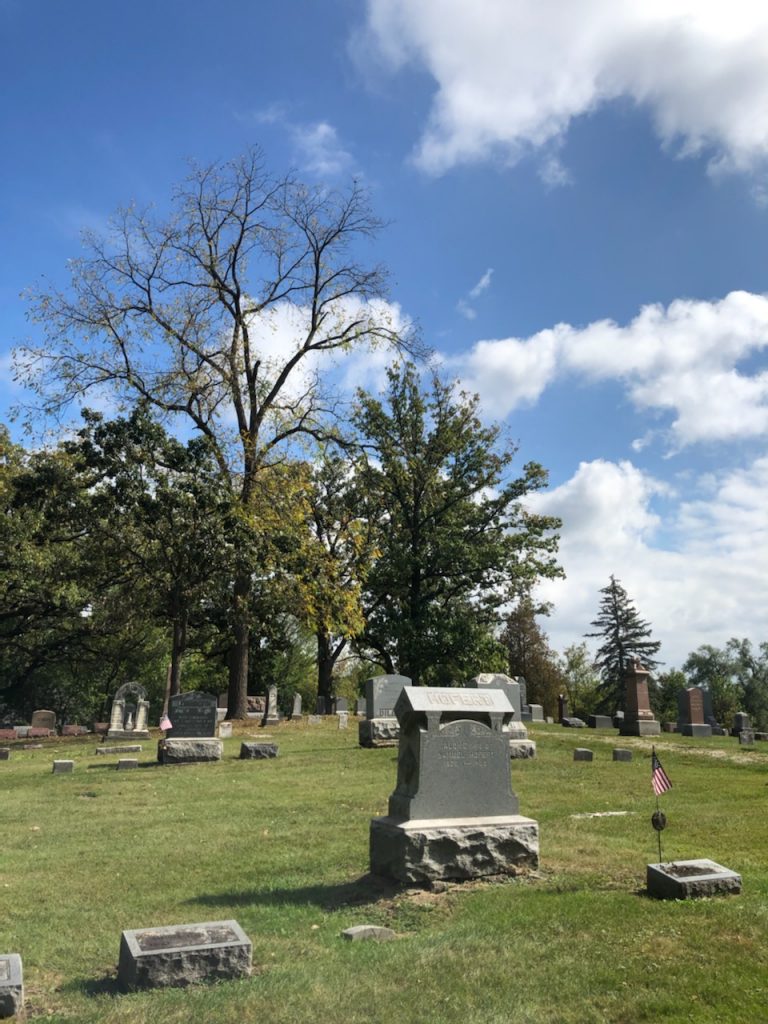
638	717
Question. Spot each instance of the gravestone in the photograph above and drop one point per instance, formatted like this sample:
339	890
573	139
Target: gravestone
638	717
321	706
536	711
5	753
128	748
523	687
582	754
740	723
690	879
343	717
453	813
746	738
620	754
257	751
225	730
192	736
63	767
73	730
342	704
180	955
562	707
380	727
600	722
690	713
314	719
127	763
296	710
11	985
360	707
519	744
130	714
271	717
43	720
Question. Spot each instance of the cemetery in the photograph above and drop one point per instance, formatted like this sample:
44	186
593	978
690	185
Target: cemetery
477	885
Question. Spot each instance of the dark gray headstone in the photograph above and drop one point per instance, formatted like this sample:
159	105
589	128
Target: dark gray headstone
520	680
573	723
746	738
192	715
740	723
360	706
453	757
562	707
5	753
257	751
622	755
342	704
381	695
600	722
63	767
43	720
582	754
536	712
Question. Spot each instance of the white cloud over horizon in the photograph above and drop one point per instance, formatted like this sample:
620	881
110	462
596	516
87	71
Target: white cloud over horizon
512	75
687	360
711	584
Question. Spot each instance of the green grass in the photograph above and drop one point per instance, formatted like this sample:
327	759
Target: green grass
282	846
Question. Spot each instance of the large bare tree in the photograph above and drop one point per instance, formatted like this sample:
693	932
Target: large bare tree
188	313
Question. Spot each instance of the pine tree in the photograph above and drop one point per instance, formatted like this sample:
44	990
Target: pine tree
625	637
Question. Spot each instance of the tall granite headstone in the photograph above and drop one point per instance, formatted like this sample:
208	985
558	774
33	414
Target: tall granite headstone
690	713
43	720
192	736
271	717
380	727
453	813
296	710
638	717
562	707
519	744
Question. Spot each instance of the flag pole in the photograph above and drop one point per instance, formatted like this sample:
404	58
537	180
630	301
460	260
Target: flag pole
658	834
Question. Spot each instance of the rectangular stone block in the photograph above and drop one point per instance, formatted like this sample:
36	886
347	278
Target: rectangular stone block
63	767
582	754
746	738
698	730
126	763
688	879
189	751
378	732
11	985
225	730
619	754
537	712
381	695
192	715
257	751
5	753
180	955
600	722
128	748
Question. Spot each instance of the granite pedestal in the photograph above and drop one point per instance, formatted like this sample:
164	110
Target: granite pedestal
689	879
180	955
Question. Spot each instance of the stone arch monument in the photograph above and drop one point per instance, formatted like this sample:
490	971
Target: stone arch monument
128	719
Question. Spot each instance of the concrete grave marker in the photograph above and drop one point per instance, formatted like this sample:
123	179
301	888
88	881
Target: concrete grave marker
600	722
519	744
5	753
296	711
130	714
688	879
180	955
43	720
620	754
11	985
192	736
126	763
343	717
271	717
225	730
582	754
257	751
63	767
453	813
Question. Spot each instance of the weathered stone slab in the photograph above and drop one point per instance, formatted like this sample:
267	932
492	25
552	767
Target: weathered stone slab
740	723
271	716
180	955
669	726
343	717
688	879
126	763
360	932
314	719
7	734
360	706
746	738
571	722
296	709
619	754
5	753
43	720
192	715
418	851
37	733
536	712
257	751
63	767
74	730
341	704
225	730
189	751
521	749
582	754
762	736
128	748
11	985
378	732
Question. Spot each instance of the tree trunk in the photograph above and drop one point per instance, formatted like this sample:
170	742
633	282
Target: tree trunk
237	696
177	651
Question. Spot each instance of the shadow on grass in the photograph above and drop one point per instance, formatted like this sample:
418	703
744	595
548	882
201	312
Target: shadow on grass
364	890
93	987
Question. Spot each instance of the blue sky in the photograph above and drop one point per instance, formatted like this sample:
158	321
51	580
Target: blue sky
577	198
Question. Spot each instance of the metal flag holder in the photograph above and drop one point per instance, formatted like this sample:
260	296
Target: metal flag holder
659	822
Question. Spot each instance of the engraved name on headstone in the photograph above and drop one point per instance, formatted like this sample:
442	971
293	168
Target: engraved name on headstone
192	714
381	693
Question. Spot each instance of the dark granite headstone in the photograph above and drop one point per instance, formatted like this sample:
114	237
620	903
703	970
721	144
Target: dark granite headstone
520	680
620	754
192	715
43	720
582	754
183	954
381	694
600	722
740	723
746	738
5	753
638	717
690	713
562	707
453	760
499	681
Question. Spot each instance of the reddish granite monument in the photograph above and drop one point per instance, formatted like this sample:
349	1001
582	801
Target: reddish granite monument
638	717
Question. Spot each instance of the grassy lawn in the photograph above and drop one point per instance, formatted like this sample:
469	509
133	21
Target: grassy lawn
282	846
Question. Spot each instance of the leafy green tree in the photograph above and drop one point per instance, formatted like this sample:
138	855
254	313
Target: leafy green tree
452	531
665	694
530	655
186	314
625	636
751	675
582	683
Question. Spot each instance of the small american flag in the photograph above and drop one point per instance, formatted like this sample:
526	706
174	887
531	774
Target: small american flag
659	779
165	723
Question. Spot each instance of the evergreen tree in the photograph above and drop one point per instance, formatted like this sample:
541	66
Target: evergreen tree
625	637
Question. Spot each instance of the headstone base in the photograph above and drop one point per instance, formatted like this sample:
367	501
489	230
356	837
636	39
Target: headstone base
423	850
180	955
188	751
120	734
688	879
640	728
600	722
378	732
11	985
519	749
695	730
257	751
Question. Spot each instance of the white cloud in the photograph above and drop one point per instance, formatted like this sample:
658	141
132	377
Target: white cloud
511	75
710	582
483	284
687	359
320	149
467	311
